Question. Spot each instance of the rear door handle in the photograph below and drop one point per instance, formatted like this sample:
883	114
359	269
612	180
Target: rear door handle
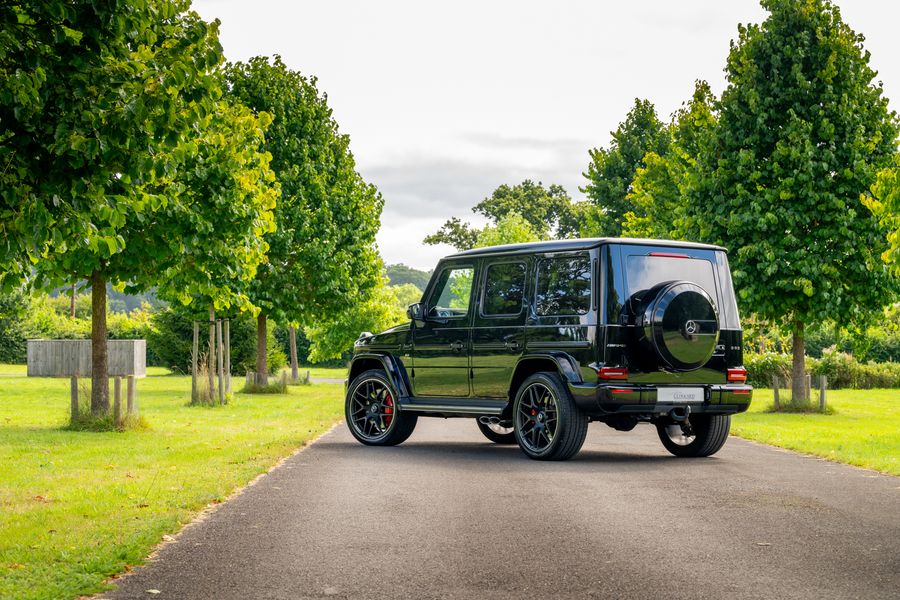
457	346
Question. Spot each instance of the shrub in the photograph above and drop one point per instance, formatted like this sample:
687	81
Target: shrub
844	371
169	342
761	368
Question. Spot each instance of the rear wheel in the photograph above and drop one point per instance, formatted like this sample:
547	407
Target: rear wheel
497	433
710	433
372	413
546	420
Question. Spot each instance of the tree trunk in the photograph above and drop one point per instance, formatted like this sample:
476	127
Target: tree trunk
99	357
295	367
211	356
262	369
195	349
227	356
72	301
799	390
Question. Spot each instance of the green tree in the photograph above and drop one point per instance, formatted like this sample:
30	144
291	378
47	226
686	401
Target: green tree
96	101
322	256
884	202
382	307
511	228
400	274
612	169
545	210
803	130
657	194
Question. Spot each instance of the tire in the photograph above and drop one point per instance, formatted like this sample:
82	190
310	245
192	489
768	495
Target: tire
710	434
542	432
371	411
497	434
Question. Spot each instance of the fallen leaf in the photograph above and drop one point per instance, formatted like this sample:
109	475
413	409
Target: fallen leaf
763	544
41	499
16	566
154	592
168	538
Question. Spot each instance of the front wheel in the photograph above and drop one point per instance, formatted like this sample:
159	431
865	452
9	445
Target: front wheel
547	422
497	433
372	413
709	435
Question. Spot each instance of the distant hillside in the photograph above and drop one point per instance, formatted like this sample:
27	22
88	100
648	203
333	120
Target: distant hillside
400	274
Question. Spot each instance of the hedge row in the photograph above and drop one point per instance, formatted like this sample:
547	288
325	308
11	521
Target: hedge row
169	335
841	369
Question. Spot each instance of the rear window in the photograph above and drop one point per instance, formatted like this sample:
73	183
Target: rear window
642	272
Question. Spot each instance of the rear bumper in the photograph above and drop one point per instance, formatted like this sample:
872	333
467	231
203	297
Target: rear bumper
609	399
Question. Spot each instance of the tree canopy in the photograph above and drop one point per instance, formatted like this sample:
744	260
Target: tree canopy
803	130
611	170
545	210
322	254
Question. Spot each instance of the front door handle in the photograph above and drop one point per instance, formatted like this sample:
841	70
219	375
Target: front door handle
457	346
512	345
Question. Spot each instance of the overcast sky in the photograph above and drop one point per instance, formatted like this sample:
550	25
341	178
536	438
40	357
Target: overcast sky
445	101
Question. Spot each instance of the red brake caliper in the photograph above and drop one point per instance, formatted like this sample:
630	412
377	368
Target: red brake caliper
388	410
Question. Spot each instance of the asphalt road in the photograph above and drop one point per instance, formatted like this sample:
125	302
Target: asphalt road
450	515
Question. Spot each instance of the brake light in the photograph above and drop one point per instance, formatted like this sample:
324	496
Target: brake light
613	373
740	392
622	391
737	375
669	255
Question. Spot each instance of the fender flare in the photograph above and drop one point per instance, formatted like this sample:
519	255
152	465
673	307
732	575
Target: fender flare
566	366
393	367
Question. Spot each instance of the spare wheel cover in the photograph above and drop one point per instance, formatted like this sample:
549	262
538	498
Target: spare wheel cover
682	325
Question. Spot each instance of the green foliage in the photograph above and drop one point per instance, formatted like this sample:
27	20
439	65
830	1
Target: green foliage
659	187
511	228
612	169
13	308
454	232
381	308
169	342
322	254
223	211
400	274
884	202
86	172
542	210
843	371
803	130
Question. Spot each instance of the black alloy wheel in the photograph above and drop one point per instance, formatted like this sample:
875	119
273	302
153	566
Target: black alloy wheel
547	423
372	412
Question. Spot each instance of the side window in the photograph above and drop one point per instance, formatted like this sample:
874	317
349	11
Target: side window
504	289
563	286
452	294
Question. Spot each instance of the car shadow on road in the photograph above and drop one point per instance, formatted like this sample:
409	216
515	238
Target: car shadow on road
467	452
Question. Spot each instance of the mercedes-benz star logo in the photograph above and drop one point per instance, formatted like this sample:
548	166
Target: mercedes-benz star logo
691	327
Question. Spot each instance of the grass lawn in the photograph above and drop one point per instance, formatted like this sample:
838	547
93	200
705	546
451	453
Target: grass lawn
864	431
77	507
322	372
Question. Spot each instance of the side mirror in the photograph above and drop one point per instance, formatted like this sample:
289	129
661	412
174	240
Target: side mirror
416	311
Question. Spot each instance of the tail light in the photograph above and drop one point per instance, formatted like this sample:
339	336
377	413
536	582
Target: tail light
737	375
615	373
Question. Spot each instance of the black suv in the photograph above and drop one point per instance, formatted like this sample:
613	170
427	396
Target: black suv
536	340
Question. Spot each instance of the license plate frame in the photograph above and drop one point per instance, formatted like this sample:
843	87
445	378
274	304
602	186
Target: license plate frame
680	395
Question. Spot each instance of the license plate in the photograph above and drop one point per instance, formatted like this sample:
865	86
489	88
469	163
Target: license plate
678	395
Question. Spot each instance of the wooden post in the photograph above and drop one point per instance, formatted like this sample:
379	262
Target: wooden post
211	358
809	387
292	335
220	365
251	378
73	391
775	389
823	385
117	400
72	300
284	380
228	355
194	350
132	392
